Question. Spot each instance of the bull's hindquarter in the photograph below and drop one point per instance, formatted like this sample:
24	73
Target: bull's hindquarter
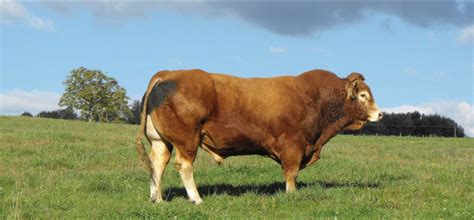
229	116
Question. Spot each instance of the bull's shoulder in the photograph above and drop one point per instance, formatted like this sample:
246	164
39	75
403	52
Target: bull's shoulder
220	77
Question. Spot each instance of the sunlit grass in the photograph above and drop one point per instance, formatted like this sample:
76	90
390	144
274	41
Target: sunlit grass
71	169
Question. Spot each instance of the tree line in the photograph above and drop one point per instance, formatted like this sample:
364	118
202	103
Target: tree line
412	124
133	115
98	97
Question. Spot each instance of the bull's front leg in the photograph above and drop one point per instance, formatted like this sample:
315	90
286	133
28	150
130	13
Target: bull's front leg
291	163
290	174
323	139
328	133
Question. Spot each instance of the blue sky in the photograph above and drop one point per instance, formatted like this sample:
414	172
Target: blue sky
414	56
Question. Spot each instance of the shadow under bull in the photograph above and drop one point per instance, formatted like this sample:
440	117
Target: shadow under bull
261	189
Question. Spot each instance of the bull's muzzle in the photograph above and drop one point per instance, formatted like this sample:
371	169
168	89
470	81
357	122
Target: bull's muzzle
375	115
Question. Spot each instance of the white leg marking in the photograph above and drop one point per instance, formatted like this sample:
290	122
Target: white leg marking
159	156
185	169
290	176
290	186
186	173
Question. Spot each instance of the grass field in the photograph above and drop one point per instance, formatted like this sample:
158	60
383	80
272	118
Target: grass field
71	169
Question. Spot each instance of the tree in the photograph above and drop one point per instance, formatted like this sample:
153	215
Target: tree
135	110
97	96
26	114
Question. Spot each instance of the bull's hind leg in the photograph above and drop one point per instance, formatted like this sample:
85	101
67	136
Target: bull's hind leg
160	156
184	164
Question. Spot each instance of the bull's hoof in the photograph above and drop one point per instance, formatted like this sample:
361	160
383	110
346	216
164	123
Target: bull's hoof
155	199
197	202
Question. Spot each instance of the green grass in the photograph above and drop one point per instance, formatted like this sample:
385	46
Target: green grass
72	169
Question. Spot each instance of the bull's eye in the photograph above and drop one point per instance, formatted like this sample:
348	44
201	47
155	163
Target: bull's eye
364	96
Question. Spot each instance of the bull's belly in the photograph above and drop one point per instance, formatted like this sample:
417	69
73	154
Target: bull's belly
226	142
226	148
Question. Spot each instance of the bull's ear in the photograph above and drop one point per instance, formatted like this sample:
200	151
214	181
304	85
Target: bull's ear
353	77
351	84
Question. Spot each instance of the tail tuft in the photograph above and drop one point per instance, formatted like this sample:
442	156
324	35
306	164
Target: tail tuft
140	147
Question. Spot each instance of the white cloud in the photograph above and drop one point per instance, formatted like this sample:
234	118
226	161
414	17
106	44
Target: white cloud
9	8
277	50
40	24
17	101
467	35
461	112
12	12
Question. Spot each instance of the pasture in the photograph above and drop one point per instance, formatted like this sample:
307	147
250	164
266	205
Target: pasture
71	169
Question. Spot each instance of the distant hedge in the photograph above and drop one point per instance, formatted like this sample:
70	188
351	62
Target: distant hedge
26	114
67	113
412	124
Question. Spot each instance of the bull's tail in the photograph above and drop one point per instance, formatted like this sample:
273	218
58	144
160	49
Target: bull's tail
141	131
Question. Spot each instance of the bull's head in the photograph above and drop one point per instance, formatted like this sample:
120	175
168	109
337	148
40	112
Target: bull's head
360	96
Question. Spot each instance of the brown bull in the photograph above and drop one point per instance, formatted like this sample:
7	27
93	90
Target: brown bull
286	118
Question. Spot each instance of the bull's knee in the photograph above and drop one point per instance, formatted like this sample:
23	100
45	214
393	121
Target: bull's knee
178	165
185	168
313	159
